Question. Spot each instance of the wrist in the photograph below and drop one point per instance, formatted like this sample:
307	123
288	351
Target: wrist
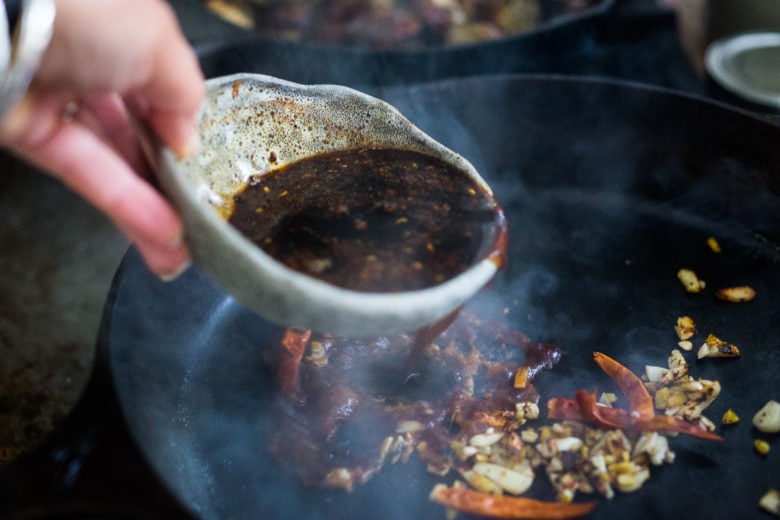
26	28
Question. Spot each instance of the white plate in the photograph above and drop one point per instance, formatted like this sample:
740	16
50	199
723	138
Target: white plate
748	65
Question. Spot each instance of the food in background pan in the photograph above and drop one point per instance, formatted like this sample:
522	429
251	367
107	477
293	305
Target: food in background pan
393	24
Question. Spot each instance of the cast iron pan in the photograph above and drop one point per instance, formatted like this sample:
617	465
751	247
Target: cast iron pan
236	49
610	189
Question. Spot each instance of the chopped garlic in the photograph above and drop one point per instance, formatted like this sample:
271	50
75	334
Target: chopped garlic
655	374
567	444
730	417
482	440
480	482
739	294
655	446
678	366
714	245
529	435
526	411
409	426
685	328
685	345
770	502
690	281
511	481
716	347
608	398
761	446
628	482
767	419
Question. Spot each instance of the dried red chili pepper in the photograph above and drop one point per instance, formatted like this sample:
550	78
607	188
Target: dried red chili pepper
584	407
602	415
294	344
639	399
502	506
666	422
564	409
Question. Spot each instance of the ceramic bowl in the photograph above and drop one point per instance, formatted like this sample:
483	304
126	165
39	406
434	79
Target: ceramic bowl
251	124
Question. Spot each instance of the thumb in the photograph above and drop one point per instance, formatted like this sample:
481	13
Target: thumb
178	131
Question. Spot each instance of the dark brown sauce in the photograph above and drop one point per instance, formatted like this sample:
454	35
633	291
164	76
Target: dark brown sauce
383	220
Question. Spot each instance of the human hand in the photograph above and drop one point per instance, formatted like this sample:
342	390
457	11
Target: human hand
110	61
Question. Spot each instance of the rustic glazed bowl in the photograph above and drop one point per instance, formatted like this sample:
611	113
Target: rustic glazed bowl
251	124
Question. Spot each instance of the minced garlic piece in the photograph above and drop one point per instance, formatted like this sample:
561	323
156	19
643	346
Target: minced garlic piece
730	417
685	328
742	293
690	281
767	419
770	502
685	345
761	446
716	347
714	245
525	411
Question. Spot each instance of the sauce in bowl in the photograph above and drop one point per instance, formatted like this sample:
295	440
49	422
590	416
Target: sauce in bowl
372	219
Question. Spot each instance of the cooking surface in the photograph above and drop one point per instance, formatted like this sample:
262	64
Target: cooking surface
593	254
59	256
51	298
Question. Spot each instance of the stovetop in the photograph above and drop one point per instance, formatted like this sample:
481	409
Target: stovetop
91	468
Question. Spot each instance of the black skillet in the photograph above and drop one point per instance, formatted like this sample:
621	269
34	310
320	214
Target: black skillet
224	49
609	188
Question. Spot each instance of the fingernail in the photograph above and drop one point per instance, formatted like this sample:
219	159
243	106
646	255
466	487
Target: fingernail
191	148
191	141
176	242
169	277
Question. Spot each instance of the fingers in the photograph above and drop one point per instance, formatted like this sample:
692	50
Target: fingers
145	59
111	56
106	116
78	154
94	170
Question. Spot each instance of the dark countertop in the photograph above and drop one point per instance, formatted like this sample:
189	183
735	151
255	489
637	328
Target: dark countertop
58	258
